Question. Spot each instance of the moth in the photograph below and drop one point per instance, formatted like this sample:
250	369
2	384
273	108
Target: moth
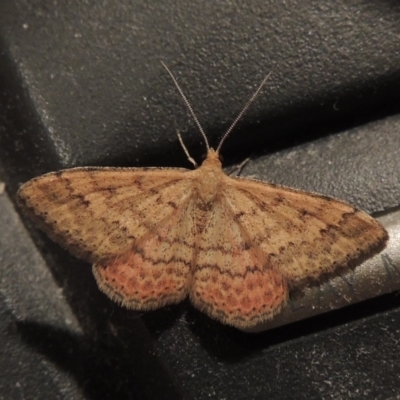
235	246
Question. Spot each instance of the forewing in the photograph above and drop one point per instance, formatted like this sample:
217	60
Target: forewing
308	237
233	280
97	213
156	270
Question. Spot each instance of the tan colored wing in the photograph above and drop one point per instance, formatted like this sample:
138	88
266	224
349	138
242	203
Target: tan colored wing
156	270
233	280
97	213
308	237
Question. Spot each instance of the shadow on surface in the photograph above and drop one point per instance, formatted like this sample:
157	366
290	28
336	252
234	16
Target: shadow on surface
123	367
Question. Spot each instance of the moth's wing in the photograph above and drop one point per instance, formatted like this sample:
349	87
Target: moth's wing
233	281
156	270
97	213
307	237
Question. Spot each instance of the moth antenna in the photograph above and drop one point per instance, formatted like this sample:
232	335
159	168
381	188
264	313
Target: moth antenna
187	105
244	109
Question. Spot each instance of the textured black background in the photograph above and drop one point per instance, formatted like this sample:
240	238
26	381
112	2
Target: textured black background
81	84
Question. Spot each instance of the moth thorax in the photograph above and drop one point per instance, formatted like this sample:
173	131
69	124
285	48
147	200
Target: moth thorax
207	184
